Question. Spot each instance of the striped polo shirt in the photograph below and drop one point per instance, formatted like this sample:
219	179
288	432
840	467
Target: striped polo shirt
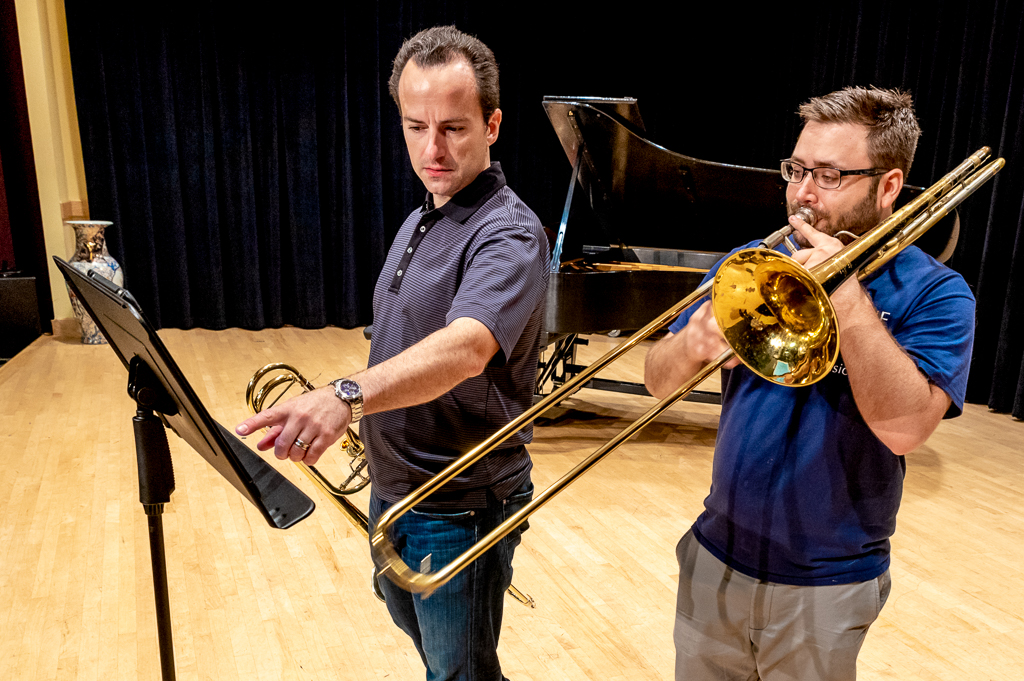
483	255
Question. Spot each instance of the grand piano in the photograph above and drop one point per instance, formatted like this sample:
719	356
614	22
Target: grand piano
647	224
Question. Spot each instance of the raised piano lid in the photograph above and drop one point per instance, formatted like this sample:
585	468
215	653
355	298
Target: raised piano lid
645	204
645	195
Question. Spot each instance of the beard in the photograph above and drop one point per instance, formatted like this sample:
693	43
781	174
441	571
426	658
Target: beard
857	220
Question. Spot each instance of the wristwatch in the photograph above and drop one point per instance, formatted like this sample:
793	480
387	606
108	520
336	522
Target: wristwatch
349	391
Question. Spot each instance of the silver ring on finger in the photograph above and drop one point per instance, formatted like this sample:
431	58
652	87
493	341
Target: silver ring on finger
300	444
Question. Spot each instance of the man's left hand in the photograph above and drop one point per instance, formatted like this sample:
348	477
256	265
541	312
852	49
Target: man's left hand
822	246
317	418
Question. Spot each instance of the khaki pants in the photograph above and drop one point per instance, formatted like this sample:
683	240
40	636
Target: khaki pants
733	627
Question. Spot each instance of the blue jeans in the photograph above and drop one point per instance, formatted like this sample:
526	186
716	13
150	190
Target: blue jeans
456	629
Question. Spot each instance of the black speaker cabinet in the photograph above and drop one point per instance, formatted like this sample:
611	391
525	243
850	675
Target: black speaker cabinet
19	314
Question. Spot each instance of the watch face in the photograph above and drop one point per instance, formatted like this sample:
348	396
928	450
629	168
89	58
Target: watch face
349	390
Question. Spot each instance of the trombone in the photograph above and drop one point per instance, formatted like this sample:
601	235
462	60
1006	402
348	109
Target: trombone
278	379
774	313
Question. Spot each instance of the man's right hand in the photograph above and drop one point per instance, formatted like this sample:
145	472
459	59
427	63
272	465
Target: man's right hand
317	418
704	339
678	357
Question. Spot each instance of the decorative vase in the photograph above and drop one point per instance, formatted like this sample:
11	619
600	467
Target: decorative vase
91	256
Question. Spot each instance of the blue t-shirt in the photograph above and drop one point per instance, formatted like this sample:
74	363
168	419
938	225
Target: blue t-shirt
802	491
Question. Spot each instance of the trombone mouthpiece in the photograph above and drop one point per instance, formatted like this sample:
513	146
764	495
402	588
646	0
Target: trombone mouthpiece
807	215
777	237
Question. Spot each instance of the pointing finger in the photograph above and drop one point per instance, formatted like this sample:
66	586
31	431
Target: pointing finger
264	419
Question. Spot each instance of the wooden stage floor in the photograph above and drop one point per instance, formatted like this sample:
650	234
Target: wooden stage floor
250	602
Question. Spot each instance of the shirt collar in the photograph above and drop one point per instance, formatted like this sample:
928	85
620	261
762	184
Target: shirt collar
470	198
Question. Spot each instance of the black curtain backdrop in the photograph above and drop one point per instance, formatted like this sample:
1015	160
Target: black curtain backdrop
254	167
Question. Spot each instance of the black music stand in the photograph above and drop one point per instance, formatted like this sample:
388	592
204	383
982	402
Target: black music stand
164	398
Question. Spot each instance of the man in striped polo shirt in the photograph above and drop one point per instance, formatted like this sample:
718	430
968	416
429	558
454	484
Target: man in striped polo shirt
457	320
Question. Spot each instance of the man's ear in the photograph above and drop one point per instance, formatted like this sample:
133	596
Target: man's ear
492	126
889	187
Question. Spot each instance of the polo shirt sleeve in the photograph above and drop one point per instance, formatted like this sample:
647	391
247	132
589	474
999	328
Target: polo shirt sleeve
503	282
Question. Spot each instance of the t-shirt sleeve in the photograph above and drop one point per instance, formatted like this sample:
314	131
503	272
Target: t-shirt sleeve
938	334
504	280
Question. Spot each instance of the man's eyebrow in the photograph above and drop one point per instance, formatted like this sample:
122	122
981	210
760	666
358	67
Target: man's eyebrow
820	164
461	119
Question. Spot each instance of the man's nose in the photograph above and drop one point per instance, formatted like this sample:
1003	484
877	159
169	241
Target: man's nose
436	145
805	191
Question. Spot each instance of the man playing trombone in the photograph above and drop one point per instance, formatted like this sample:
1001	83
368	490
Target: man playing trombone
457	320
788	565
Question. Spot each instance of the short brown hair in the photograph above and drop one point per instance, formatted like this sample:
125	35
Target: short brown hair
440	46
887	114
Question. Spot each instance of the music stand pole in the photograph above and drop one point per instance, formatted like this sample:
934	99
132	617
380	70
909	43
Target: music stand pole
156	482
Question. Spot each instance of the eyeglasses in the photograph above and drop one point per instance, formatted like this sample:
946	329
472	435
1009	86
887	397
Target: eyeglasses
824	177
